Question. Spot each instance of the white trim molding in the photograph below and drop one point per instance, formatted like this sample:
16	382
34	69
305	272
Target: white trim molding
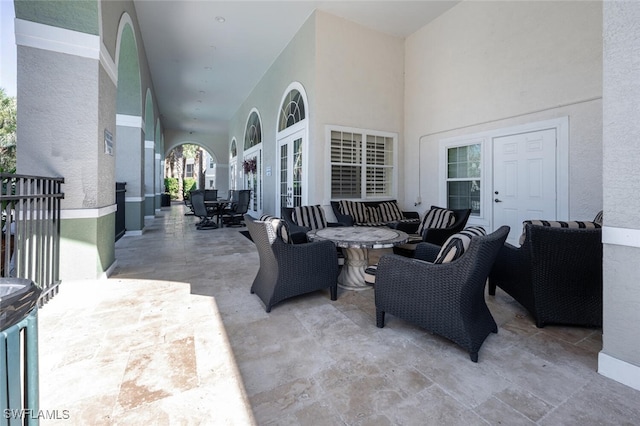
618	370
62	40
55	39
158	156
133	233
108	64
621	236
149	144
133	199
125	120
88	213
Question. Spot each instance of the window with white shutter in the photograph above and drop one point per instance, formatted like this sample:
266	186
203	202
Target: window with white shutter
362	163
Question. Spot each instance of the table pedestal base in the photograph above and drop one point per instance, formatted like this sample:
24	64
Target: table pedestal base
352	275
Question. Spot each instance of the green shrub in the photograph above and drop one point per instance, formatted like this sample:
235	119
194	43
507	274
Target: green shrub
189	184
171	186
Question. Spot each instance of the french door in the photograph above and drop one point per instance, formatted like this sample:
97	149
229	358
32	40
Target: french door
254	180
291	173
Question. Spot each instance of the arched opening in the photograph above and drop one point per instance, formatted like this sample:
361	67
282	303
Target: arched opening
129	145
188	166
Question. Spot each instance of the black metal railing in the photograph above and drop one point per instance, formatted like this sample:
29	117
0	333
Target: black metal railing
31	230
120	204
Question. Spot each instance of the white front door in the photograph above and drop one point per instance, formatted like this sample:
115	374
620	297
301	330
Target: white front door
524	179
290	173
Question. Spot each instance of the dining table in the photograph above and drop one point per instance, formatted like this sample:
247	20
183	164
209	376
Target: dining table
217	206
357	243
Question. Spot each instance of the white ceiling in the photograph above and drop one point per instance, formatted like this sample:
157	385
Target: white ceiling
203	70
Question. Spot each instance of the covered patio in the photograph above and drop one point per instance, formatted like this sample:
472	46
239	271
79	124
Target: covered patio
175	337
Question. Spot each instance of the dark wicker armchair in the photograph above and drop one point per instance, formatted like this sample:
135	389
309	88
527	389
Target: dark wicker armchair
288	270
448	298
556	275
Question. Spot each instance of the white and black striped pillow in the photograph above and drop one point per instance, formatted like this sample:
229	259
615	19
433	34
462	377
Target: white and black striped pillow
373	214
309	216
574	224
279	226
437	218
355	209
389	212
457	244
599	217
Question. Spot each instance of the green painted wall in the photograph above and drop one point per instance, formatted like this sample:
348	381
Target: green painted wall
77	15
129	86
134	215
87	247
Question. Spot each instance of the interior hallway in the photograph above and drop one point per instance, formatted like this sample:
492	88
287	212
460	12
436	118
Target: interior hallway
175	337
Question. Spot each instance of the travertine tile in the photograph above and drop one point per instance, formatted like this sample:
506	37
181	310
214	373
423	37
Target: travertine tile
176	337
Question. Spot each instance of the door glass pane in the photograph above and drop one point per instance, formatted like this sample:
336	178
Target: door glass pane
283	175
297	172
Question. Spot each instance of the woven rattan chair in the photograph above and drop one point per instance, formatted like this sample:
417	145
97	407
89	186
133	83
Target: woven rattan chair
288	270
448	298
556	275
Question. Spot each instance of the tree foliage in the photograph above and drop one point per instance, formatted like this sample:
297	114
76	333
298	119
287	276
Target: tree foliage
8	114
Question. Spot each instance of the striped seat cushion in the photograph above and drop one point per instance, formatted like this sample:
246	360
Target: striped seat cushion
437	218
457	244
558	224
355	209
309	216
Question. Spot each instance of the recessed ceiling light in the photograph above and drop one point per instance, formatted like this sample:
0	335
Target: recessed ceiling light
220	19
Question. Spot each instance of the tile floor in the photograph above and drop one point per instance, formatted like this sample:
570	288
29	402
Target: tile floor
175	337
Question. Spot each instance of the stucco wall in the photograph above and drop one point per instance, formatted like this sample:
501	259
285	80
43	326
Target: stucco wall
296	63
487	65
621	133
359	83
57	122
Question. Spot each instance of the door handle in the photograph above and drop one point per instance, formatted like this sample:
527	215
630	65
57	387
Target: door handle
497	200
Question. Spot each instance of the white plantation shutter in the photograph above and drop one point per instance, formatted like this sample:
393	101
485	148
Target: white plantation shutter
362	164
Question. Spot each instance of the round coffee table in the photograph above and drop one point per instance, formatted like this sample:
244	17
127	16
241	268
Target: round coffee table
356	241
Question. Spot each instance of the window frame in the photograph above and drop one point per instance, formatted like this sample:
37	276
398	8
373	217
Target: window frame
364	135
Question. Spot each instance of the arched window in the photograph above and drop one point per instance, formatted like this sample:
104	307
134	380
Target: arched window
292	110
253	132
